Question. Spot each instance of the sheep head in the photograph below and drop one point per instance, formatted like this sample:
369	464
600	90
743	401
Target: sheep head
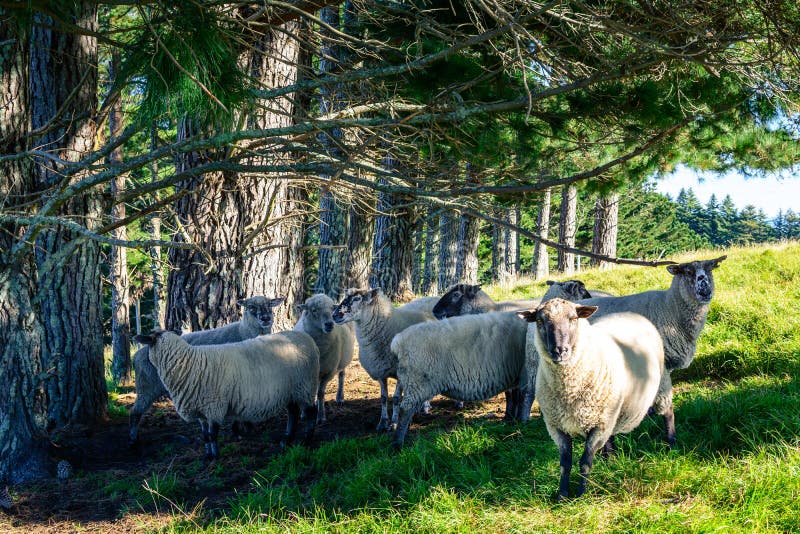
260	309
570	289
557	322
354	303
694	280
457	301
318	310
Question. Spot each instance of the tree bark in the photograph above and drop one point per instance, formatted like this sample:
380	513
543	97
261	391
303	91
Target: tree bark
541	261
500	266
604	240
118	268
429	269
359	246
512	243
448	250
467	252
567	226
156	260
64	80
333	231
22	445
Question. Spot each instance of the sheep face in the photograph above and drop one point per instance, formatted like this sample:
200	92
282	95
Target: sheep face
318	311
457	301
694	280
557	327
354	303
572	289
260	308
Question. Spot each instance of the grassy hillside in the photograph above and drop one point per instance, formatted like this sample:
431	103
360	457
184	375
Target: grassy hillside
736	467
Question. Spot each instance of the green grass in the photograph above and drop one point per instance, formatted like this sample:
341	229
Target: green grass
736	467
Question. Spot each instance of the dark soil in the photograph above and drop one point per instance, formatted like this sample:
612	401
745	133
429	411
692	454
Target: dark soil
107	491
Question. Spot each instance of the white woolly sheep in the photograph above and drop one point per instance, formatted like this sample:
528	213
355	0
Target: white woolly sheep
424	304
257	320
594	380
679	313
467	358
376	323
334	341
246	381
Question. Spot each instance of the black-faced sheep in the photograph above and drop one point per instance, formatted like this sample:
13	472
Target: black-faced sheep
594	380
257	319
334	341
250	381
377	322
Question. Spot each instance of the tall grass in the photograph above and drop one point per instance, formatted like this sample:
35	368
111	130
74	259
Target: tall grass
736	467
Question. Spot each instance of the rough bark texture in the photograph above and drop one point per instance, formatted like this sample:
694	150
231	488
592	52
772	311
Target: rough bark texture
467	251
64	80
156	261
393	249
512	243
359	246
448	250
118	268
541	261
604	240
22	447
500	265
567	226
427	286
333	230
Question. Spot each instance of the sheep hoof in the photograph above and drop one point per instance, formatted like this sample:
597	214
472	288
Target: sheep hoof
397	446
383	425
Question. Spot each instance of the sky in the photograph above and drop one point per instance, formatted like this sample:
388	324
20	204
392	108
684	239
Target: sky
770	193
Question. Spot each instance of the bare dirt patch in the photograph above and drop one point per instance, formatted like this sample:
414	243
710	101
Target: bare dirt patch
108	491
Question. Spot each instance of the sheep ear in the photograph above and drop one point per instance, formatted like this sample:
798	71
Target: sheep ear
145	340
712	264
300	307
550	282
527	315
471	291
585	311
676	269
242	302
373	293
276	301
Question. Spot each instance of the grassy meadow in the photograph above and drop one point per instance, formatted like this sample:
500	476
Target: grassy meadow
736	467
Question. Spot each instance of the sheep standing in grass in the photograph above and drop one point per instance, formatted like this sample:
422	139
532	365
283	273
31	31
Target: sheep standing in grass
594	380
257	320
467	358
376	323
679	313
251	380
334	341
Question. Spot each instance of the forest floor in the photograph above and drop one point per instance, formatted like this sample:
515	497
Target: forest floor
115	488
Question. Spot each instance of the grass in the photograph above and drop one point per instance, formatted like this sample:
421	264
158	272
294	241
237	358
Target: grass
736	467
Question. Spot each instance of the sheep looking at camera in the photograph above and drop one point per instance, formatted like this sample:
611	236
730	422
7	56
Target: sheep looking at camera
250	381
594	380
257	320
334	341
376	323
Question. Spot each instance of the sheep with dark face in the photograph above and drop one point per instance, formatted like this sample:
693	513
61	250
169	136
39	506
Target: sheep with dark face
334	341
376	323
257	320
679	313
594	380
251	380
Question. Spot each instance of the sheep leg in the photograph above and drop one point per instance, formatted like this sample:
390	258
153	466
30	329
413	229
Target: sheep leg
513	402
426	407
321	401
340	389
140	407
383	424
291	424
311	417
564	443
608	448
213	433
408	407
206	438
398	393
526	404
594	441
663	406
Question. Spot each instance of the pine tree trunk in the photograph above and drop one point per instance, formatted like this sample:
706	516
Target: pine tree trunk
541	261
64	79
604	240
359	246
467	251
500	267
429	270
118	268
333	230
23	455
512	243
448	250
567	226
156	262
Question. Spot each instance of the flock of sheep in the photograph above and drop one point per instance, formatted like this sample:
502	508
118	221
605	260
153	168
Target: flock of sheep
596	363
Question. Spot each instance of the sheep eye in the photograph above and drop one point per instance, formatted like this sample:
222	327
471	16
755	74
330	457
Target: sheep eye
356	299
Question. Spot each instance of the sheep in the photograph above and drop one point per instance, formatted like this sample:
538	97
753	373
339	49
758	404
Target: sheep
679	313
376	323
334	341
257	320
246	381
421	304
594	380
467	358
